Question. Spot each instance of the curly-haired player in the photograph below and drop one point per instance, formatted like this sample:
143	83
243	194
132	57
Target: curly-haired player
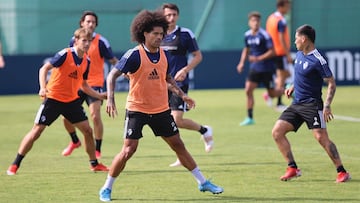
147	103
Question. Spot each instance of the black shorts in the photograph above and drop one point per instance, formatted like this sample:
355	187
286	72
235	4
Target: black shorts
280	62
176	103
89	99
162	124
311	113
51	109
266	78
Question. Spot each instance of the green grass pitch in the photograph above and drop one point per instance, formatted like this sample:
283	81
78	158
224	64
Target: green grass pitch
245	160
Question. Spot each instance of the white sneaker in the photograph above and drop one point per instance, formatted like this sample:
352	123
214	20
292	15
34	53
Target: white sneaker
280	108
267	99
176	163
208	139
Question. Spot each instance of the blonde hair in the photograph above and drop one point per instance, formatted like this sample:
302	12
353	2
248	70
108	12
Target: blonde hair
82	32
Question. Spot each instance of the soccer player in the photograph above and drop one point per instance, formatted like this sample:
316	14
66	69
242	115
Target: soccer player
311	70
70	68
180	42
148	69
99	50
259	50
276	26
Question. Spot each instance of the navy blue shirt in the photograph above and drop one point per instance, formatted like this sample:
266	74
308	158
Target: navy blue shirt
282	25
258	44
179	43
310	71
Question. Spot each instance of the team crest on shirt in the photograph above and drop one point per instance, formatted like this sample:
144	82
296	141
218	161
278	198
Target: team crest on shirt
305	65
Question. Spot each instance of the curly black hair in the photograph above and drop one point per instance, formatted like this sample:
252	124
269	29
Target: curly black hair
145	21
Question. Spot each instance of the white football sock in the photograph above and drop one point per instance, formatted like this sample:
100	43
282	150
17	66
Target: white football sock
199	177
109	182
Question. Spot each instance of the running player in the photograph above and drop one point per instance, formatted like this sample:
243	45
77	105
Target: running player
259	50
180	42
99	50
276	26
148	69
70	68
311	70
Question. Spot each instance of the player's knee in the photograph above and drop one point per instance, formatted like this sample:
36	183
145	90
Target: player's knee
96	120
88	131
277	133
177	145
128	151
179	122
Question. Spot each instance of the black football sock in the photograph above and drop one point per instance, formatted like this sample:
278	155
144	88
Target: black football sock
279	101
250	113
292	164
74	137
203	130
341	169
18	159
98	144
94	162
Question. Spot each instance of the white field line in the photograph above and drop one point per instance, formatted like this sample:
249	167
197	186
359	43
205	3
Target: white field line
347	118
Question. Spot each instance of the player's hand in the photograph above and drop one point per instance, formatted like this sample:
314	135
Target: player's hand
111	108
289	59
190	102
103	95
240	68
126	76
328	116
42	93
253	59
288	91
180	75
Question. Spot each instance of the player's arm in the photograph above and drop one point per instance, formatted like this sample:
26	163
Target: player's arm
110	84
191	45
193	48
2	61
176	89
283	44
113	61
182	73
91	92
43	72
289	91
331	89
85	86
243	57
106	51
197	58
268	54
